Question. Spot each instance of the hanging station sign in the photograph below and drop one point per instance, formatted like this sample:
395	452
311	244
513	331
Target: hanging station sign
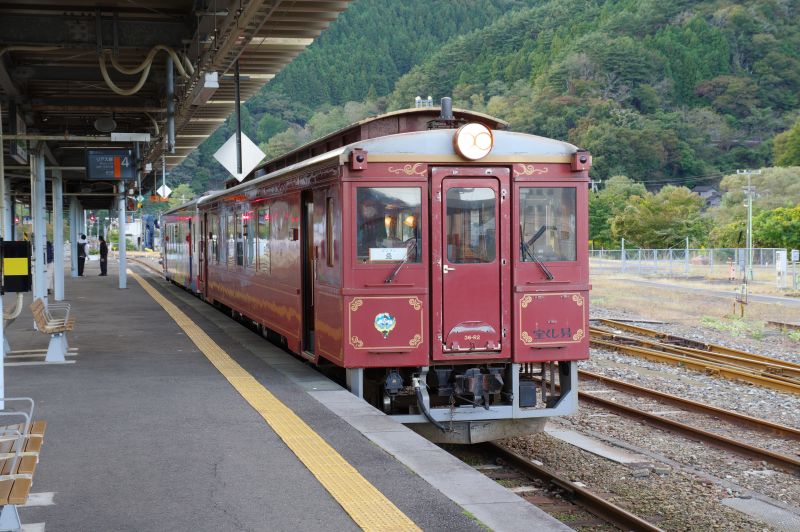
110	164
18	149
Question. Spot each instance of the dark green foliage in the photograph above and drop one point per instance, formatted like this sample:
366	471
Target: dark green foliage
660	91
778	228
787	146
374	42
661	220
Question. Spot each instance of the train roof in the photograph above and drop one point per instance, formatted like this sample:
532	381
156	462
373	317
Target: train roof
189	204
402	121
428	146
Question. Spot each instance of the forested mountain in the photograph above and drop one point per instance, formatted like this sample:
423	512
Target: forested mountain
659	91
360	56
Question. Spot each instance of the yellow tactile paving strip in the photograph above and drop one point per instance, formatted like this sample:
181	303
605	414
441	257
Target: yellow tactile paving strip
367	506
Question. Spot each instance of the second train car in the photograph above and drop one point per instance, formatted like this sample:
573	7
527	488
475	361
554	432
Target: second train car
438	260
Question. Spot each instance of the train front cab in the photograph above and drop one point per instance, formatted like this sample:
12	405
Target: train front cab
504	314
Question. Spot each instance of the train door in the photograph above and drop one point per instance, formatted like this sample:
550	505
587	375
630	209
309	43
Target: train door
470	300
309	270
202	252
189	254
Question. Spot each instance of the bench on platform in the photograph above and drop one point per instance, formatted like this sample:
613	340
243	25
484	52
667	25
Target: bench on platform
19	454
55	327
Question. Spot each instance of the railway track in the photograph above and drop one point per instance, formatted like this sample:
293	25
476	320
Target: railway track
785	326
776	429
711	358
787	463
593	503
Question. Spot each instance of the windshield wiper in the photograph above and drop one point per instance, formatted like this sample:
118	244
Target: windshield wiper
405	259
528	249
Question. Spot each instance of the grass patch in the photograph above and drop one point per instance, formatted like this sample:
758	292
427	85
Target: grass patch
478	521
794	335
735	325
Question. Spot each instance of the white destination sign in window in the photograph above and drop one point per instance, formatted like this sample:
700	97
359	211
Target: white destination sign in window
387	254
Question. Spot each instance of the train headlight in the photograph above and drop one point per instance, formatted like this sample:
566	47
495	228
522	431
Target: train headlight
473	141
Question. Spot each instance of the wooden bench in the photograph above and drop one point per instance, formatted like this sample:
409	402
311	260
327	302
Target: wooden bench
55	327
20	446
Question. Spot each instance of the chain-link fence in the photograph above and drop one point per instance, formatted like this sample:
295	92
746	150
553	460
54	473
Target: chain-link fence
720	263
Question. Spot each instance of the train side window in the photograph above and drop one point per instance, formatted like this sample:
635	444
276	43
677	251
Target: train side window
213	236
239	238
329	231
230	252
250	238
263	240
547	224
388	224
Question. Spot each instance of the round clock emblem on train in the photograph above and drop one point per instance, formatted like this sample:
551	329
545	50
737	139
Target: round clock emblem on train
385	323
473	141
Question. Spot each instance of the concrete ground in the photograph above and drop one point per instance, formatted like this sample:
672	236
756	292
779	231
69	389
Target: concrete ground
144	433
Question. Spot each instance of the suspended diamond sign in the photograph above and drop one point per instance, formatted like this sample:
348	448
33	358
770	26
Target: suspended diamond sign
251	156
164	191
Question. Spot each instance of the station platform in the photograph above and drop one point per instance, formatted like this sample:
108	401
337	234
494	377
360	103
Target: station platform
172	416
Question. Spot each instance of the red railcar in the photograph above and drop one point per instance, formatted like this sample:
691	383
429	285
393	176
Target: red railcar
439	260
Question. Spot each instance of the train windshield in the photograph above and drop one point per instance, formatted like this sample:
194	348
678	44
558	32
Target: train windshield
388	224
547	224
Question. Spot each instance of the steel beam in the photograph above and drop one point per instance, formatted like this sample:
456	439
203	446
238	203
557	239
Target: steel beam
8	211
58	237
123	274
65	138
5	187
6	83
39	237
81	32
69	73
74	209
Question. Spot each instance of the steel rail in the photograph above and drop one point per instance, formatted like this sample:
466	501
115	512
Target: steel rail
703	346
594	503
716	369
715	348
784	462
775	370
779	324
777	429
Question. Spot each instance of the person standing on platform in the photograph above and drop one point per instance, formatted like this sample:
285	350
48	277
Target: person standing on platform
82	242
103	257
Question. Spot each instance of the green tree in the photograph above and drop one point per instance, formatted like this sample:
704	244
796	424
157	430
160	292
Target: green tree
180	195
786	146
662	220
778	228
607	203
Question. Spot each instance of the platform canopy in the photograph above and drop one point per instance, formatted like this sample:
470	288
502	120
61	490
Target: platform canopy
75	73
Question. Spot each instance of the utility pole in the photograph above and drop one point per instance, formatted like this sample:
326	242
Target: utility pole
750	192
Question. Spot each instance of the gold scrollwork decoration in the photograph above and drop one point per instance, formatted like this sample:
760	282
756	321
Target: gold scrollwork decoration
416	303
578	336
526	337
414	342
577	298
409	170
355	341
529	169
354	304
526	299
